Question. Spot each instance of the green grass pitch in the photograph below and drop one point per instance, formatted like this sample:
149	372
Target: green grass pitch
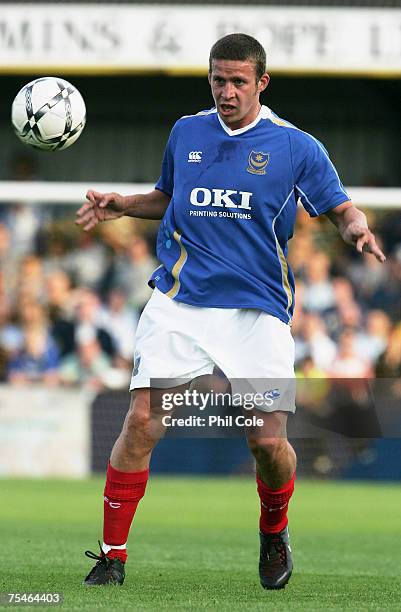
194	546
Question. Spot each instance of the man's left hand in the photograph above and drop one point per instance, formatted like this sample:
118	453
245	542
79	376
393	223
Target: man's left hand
363	240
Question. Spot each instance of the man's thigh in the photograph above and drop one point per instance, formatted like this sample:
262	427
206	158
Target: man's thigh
167	344
256	353
264	426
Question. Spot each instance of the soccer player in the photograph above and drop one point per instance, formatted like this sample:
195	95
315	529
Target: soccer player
224	293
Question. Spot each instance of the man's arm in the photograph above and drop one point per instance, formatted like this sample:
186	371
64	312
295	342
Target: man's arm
109	206
354	230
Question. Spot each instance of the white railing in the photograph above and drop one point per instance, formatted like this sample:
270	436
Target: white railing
45	192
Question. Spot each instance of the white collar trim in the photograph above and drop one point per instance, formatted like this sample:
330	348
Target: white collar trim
264	113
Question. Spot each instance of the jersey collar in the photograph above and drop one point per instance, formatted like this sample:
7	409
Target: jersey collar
264	113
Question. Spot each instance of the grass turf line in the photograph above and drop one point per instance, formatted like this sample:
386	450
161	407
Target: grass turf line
194	546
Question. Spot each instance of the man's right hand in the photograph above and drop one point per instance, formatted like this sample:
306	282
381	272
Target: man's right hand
100	207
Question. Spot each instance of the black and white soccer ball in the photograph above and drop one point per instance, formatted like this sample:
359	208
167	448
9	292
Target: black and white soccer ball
48	113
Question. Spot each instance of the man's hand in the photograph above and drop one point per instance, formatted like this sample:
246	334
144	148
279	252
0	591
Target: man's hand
363	240
100	207
109	206
354	230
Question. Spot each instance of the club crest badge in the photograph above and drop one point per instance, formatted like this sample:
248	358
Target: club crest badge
257	162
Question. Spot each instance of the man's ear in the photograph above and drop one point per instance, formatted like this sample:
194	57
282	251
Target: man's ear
263	82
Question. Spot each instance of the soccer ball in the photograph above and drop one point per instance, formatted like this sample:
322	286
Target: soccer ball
48	113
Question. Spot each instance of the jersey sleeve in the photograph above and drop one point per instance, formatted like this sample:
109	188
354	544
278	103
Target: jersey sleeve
317	183
166	180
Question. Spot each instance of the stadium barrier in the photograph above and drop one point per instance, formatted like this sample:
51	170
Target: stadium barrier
42	192
44	432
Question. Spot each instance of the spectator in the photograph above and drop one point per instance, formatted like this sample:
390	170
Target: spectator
61	309
319	293
38	358
348	312
371	342
301	253
133	271
23	220
31	280
8	263
120	321
87	366
389	364
319	345
347	363
87	316
59	293
87	262
11	334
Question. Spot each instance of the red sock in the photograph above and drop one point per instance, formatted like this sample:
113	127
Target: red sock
274	505
122	494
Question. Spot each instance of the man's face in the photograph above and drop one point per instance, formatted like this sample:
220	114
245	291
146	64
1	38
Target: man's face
236	91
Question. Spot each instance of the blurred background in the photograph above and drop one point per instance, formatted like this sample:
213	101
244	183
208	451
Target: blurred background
70	301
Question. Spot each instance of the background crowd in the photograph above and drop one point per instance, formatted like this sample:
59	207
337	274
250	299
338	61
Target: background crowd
70	300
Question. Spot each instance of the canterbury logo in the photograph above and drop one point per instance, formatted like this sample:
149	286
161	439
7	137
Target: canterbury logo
112	504
195	157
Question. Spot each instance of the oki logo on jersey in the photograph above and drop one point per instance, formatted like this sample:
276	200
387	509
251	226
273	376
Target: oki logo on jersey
200	196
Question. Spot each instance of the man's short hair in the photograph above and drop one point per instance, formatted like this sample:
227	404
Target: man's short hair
239	47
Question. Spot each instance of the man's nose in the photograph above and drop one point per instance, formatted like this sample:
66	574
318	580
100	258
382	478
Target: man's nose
228	91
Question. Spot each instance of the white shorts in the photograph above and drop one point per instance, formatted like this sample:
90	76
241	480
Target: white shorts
176	341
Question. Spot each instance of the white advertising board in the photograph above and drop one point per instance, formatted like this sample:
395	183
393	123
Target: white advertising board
177	38
44	432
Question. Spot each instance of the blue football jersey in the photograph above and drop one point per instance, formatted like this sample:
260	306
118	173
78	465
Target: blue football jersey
222	242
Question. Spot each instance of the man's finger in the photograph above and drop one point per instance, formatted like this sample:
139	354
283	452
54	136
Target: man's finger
90	196
93	196
368	244
84	208
91	224
85	217
378	253
106	198
361	242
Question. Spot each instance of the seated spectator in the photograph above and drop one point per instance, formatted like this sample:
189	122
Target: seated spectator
371	342
307	369
8	263
61	310
31	280
23	220
318	293
347	363
301	252
88	365
87	262
38	358
348	312
389	364
11	335
319	345
87	315
59	292
133	271
367	275
377	286
120	321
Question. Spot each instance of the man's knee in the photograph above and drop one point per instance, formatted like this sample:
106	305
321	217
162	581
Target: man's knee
267	448
139	426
